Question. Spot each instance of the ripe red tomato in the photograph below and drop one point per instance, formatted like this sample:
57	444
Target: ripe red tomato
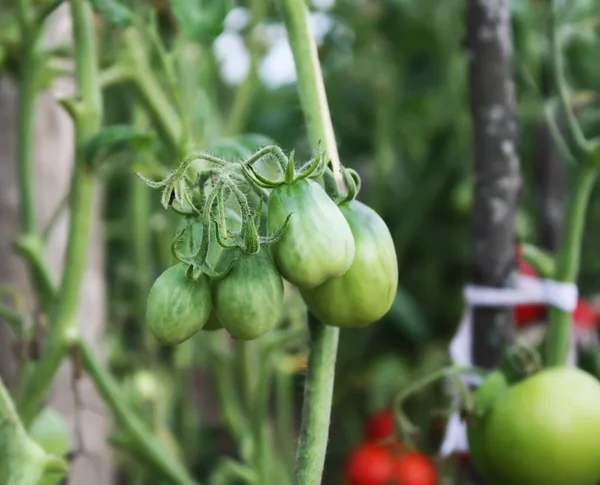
380	426
527	313
585	315
369	464
414	469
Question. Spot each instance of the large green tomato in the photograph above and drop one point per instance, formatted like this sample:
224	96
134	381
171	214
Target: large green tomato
178	307
367	290
249	298
317	244
542	430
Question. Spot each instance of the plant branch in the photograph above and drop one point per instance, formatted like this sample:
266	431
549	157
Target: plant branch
575	131
310	81
87	123
153	95
126	417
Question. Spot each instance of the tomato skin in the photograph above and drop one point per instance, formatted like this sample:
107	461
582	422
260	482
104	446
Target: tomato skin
249	298
542	430
380	426
369	464
50	431
365	293
178	307
317	244
414	468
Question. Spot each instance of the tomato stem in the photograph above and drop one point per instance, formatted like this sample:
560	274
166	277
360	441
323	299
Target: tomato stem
147	443
87	123
318	392
567	263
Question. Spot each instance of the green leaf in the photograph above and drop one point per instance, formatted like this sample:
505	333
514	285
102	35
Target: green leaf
113	11
407	316
114	139
200	20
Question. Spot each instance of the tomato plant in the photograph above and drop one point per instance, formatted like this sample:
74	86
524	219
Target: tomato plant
177	306
540	430
364	293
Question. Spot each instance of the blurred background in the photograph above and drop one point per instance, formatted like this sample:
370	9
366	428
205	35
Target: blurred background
396	79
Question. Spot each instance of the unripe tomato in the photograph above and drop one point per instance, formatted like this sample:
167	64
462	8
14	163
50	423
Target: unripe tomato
249	298
380	426
541	430
414	468
317	244
50	431
369	464
178	307
365	293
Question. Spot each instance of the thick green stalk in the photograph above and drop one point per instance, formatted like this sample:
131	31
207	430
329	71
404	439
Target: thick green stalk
318	393
316	408
148	445
87	122
310	80
567	263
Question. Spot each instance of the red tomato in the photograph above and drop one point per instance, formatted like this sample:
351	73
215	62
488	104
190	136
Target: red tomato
380	426
585	315
524	314
414	468
369	464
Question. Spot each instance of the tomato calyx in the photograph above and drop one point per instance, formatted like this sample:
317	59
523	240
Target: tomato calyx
519	362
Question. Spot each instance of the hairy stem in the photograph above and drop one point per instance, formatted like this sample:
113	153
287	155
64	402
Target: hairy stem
318	392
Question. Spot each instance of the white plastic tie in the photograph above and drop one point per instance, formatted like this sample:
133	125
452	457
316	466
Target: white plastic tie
529	290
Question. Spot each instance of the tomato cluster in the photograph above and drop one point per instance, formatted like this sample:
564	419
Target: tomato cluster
382	460
335	249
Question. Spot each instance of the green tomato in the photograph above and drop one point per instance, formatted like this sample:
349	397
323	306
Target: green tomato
542	430
249	298
367	290
50	431
178	307
317	244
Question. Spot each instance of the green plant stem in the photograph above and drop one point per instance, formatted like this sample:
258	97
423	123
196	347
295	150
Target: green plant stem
284	404
244	94
310	80
318	392
147	443
153	95
28	69
567	263
316	408
87	122
13	318
575	131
